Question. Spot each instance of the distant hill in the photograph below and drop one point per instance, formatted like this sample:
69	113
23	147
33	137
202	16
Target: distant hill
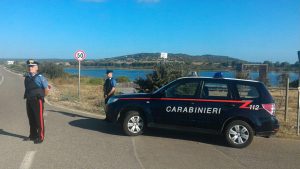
148	60
152	57
149	57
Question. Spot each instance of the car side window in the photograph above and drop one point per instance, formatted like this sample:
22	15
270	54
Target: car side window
247	92
214	90
182	90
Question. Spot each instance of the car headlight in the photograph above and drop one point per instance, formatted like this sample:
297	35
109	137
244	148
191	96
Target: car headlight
112	100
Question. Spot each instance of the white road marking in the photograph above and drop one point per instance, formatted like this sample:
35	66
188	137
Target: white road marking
28	159
4	68
230	158
136	154
2	79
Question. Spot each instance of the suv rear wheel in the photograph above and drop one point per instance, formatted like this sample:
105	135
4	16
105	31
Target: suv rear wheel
133	123
239	134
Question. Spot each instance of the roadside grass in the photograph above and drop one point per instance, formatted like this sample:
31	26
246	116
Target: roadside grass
287	128
65	93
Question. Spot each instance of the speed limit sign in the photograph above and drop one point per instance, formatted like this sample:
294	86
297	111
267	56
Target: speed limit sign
80	55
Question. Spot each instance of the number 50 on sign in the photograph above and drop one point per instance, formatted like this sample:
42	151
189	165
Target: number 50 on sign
80	55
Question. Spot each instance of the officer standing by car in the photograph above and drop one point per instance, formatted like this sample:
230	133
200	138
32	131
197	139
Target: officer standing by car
109	87
36	88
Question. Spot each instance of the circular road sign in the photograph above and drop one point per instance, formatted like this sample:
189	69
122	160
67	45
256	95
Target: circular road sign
80	55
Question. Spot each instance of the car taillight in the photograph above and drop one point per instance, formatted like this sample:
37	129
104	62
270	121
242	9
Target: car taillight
269	108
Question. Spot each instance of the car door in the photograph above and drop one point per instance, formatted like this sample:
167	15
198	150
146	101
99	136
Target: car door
175	101
215	101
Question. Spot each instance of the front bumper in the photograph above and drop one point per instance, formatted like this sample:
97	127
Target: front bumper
111	112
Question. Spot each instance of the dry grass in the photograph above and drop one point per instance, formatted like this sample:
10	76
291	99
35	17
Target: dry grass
64	92
288	128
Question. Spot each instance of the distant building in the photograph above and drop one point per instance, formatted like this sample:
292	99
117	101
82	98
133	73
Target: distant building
10	62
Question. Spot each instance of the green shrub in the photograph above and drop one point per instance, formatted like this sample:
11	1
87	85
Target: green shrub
162	74
95	81
294	83
51	70
122	79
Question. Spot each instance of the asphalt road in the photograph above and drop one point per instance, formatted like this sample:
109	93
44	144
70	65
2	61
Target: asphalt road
80	141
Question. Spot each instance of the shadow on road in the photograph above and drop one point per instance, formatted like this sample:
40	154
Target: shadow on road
91	123
66	113
197	137
114	129
2	132
97	125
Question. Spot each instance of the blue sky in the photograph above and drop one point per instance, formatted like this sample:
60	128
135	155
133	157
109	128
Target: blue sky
253	30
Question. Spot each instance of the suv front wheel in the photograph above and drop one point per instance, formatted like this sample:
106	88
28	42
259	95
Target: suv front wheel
239	134
133	123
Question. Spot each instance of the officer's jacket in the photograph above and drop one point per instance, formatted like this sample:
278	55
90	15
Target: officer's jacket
108	85
32	90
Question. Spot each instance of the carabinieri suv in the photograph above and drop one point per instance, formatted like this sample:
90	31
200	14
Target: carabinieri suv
237	109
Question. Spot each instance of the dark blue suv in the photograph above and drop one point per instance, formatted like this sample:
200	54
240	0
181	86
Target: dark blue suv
237	109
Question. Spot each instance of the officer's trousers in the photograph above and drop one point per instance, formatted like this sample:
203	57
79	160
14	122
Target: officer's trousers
35	110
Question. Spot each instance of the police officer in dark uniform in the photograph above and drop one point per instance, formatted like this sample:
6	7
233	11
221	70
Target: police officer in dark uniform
36	88
109	86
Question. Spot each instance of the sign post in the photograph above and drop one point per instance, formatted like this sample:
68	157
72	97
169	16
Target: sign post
298	112
79	56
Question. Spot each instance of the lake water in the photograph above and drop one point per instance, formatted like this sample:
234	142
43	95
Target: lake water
134	74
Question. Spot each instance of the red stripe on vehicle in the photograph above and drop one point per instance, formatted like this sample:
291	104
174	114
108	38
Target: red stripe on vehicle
245	103
41	119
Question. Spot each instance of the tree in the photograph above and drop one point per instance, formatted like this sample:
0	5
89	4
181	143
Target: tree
285	64
269	63
163	73
296	64
277	64
51	70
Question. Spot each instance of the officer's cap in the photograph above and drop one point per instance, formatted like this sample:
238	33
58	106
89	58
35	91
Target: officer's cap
109	71
31	62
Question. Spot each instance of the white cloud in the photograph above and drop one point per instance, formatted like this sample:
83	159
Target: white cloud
94	1
148	1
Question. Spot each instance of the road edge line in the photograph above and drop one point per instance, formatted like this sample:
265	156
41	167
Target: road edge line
12	72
